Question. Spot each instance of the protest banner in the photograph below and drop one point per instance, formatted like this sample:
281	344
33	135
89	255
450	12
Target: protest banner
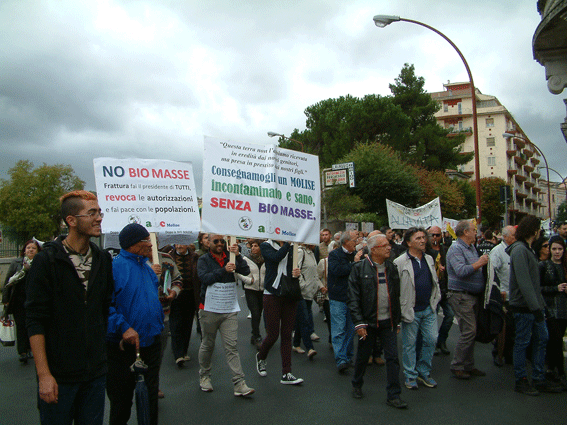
260	191
401	217
158	194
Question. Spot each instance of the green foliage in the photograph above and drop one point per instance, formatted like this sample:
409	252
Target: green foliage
492	208
380	174
561	212
427	144
29	200
468	210
334	126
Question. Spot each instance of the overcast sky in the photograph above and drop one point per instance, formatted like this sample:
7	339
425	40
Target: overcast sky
148	79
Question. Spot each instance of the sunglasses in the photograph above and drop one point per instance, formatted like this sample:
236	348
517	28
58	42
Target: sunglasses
218	241
436	235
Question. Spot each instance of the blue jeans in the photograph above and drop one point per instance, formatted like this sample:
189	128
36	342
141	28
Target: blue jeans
424	323
527	329
82	403
342	332
303	324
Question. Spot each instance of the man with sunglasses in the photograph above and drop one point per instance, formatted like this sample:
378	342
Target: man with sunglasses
438	251
69	289
216	273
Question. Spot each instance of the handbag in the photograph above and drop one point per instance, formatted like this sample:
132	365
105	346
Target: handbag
7	331
289	288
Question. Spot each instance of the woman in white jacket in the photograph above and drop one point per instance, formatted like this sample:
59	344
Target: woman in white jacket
310	284
254	289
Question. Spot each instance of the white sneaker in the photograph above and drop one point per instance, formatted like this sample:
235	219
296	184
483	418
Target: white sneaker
206	384
187	358
242	390
249	316
315	337
298	350
289	379
261	366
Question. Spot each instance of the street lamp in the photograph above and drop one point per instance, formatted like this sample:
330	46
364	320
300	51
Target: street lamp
560	183
383	20
272	134
564	123
510	135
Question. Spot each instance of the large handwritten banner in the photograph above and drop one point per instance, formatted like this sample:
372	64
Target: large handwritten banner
158	194
260	191
401	217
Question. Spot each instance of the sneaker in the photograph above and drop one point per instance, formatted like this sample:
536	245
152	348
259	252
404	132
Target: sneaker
460	374
523	386
342	368
249	316
261	366
311	353
179	362
187	358
315	337
379	361
298	350
289	379
411	384
428	381
443	348
398	403
546	386
160	394
206	384
357	392
242	390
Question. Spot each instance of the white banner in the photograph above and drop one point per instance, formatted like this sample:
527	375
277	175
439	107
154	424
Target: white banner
260	191
401	217
158	194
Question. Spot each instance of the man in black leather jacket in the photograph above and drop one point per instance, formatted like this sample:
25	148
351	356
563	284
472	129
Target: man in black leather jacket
374	304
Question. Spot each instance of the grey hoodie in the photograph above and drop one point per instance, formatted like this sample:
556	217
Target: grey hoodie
525	290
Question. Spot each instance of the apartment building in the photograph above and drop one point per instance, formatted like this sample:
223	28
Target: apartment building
514	159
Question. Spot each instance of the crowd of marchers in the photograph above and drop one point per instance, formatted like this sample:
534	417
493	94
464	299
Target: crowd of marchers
85	317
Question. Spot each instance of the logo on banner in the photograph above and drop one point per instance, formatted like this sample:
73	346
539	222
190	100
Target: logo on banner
134	219
245	223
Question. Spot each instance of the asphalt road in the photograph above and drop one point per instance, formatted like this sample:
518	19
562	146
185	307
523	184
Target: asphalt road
324	398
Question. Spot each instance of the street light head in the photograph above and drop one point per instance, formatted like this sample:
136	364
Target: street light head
272	134
383	20
508	135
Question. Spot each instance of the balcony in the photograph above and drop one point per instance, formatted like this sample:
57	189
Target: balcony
521	178
536	175
528	153
511	152
520	160
511	172
528	168
529	183
465	131
535	161
536	189
519	142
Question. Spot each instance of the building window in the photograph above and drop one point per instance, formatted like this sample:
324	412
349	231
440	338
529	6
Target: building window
445	107
490	122
460	108
491	161
490	141
460	126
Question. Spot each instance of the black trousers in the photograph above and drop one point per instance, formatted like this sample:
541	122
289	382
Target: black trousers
121	382
389	339
181	322
255	302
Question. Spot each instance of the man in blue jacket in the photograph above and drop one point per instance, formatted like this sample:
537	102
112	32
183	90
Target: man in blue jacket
135	324
342	328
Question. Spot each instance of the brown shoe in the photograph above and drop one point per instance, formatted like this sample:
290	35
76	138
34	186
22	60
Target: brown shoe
476	372
461	374
160	394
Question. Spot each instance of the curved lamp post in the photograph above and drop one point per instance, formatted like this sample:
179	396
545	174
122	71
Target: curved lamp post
383	20
512	136
272	134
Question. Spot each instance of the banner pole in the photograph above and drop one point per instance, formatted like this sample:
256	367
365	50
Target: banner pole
153	239
232	254
295	254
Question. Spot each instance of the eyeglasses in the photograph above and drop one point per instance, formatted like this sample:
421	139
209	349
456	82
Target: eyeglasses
218	241
90	214
435	235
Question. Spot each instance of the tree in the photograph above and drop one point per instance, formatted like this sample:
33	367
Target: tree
29	200
427	144
380	173
436	184
334	126
492	209
561	212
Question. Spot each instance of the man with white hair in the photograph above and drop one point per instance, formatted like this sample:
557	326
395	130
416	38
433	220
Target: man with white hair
341	261
500	271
